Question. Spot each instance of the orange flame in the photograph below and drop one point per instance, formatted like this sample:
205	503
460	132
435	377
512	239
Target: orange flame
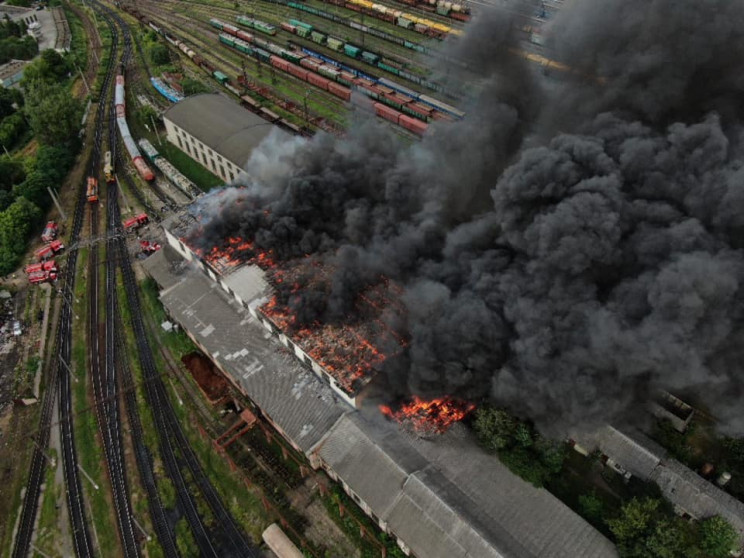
433	416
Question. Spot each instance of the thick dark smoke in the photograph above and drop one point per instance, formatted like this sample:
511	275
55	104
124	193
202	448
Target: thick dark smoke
571	246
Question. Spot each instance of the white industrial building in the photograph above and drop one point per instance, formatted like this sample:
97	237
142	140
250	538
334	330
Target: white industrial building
439	498
216	132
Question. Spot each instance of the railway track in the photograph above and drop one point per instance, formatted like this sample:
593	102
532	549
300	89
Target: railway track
175	448
60	383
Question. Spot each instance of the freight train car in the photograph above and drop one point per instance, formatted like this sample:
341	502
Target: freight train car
261	26
169	171
136	157
231	35
168	92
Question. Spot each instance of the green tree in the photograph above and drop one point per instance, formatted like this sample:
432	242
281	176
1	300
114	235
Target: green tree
9	100
495	428
193	87
146	115
16	222
636	520
11	172
53	161
34	189
49	68
591	506
11	130
158	54
54	114
522	462
717	538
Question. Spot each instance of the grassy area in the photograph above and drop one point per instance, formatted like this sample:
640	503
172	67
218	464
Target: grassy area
48	530
177	342
198	174
353	517
78	38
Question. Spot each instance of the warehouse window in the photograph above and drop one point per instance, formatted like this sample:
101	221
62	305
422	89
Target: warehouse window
179	142
222	171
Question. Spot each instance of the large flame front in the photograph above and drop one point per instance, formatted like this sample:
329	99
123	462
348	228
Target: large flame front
429	417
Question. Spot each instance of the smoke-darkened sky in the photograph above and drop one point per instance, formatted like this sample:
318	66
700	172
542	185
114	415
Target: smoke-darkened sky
572	245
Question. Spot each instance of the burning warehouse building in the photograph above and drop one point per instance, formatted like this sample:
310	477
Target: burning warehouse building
437	496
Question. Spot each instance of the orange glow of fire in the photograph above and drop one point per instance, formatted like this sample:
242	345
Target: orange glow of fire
234	252
433	416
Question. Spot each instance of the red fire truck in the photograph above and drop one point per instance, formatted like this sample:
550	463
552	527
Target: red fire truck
50	266
50	232
149	247
92	191
136	222
54	247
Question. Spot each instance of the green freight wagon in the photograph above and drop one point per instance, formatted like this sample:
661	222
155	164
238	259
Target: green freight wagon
335	44
352	51
404	23
370	57
387	68
317	37
262	54
242	47
220	77
291	56
215	23
298	23
302	32
264	27
227	39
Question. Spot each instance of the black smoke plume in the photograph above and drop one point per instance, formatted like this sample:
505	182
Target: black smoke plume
571	246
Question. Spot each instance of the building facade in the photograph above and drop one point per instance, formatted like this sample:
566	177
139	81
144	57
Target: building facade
437	498
216	132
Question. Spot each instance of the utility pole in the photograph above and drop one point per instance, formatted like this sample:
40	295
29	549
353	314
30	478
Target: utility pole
134	520
160	142
56	202
87	476
69	370
37	549
50	460
85	81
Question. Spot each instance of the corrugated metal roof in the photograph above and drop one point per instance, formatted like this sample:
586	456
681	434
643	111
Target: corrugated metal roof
444	497
632	450
683	487
221	124
447	498
303	406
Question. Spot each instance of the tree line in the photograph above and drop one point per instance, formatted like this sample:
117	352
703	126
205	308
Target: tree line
644	525
46	106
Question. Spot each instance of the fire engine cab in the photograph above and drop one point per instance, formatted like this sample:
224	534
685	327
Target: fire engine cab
108	169
50	232
136	222
41	272
54	247
92	191
149	247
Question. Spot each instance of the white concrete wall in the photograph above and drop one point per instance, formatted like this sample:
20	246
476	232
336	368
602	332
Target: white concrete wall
203	154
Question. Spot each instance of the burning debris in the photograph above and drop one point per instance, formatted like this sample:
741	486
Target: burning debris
564	251
429	417
352	351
